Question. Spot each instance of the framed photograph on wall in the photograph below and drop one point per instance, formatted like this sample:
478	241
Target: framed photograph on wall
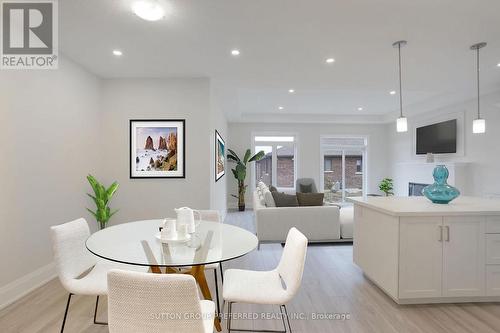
220	156
157	148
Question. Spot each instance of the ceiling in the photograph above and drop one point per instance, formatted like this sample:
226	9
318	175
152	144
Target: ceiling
284	44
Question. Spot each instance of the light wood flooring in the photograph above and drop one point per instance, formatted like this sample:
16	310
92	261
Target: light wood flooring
332	284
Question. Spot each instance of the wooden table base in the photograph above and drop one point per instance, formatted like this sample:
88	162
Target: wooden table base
198	272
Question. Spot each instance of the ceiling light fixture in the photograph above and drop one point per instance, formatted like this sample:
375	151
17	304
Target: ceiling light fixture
392	92
280	107
402	121
291	91
117	53
148	10
360	109
478	124
235	52
330	61
498	65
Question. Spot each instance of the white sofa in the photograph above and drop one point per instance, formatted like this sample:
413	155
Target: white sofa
318	223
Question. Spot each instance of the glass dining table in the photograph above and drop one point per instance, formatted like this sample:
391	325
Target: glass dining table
136	243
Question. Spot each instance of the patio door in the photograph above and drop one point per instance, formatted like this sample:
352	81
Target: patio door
342	169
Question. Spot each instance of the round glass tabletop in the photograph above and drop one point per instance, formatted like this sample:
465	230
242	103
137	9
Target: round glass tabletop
135	243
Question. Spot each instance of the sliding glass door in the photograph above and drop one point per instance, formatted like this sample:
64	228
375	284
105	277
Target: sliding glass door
342	168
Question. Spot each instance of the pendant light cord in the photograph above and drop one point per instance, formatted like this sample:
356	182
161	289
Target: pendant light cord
478	94
400	85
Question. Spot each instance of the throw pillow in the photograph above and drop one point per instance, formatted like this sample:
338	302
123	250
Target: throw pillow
310	199
268	198
306	188
285	200
272	188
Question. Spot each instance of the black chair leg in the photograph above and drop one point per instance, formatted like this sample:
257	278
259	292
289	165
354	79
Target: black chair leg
229	316
95	313
66	312
287	319
217	293
221	272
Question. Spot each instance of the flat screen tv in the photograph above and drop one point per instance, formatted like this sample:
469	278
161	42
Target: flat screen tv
440	138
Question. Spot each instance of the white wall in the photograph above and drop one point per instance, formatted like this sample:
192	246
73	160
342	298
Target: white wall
218	190
480	150
308	149
125	99
50	138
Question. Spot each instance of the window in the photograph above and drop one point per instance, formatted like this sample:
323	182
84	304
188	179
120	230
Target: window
278	166
359	166
328	164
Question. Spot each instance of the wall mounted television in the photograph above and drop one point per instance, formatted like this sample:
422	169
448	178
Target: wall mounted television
440	138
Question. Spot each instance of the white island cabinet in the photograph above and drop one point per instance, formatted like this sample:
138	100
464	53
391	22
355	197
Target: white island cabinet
419	252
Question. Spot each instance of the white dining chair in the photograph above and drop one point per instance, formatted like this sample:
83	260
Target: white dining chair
276	287
154	303
80	272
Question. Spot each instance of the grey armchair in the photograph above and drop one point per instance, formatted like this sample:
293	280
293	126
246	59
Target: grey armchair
306	182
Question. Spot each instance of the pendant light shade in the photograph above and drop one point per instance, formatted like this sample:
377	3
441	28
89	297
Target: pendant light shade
401	122
479	124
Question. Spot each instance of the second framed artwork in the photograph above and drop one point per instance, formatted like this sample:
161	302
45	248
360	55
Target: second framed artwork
157	148
220	156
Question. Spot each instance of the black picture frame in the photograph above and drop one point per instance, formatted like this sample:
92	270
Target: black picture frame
180	125
219	140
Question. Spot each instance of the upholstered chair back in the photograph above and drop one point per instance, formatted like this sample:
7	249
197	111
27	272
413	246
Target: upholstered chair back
153	303
291	266
71	256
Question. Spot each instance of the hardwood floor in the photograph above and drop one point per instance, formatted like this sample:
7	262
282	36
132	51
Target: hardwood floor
332	284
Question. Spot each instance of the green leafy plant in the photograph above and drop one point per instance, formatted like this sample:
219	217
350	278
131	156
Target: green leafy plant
386	186
101	198
240	172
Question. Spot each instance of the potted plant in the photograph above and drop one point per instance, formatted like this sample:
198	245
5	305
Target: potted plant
101	198
386	186
240	172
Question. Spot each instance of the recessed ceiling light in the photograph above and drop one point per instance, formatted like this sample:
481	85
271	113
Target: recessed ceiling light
498	65
148	10
291	91
280	107
117	53
235	52
360	109
330	61
392	92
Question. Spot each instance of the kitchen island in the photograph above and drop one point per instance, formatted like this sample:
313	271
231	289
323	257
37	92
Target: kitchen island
418	252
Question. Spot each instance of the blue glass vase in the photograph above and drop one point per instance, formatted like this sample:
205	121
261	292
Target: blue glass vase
440	192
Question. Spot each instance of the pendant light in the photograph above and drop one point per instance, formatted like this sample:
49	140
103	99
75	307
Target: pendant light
479	124
402	121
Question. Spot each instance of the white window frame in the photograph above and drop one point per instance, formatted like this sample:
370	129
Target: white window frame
343	149
274	160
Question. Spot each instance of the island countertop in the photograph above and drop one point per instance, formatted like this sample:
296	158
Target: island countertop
421	206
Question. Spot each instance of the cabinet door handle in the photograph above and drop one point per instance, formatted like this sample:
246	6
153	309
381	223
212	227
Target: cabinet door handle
440	233
447	228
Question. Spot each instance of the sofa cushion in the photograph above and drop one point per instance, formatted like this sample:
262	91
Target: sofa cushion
310	199
285	200
305	188
268	198
346	222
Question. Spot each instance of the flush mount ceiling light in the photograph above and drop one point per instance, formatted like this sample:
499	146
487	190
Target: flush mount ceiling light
401	122
498	65
478	124
235	52
117	53
281	108
330	61
392	92
148	10
360	109
291	91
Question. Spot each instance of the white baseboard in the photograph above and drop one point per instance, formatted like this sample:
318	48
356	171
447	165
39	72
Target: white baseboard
234	205
18	288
